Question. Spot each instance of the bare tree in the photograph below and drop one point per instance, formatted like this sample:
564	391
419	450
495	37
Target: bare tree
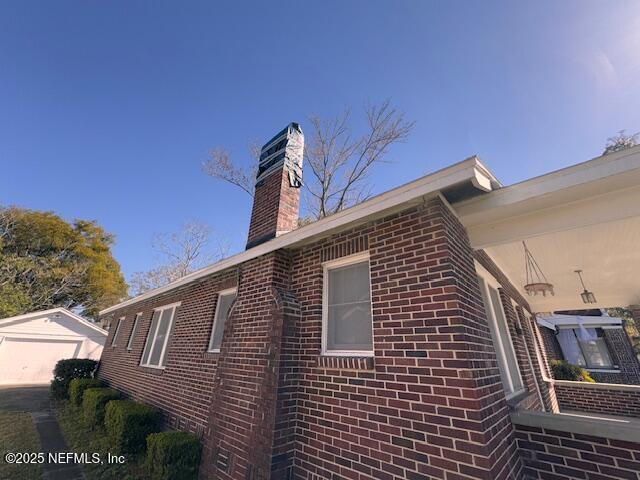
220	166
182	252
338	163
622	141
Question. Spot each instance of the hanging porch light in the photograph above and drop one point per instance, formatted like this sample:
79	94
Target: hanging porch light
537	283
587	296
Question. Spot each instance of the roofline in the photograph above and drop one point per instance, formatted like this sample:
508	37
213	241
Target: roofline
471	169
39	313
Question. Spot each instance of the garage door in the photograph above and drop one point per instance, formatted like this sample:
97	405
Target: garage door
25	360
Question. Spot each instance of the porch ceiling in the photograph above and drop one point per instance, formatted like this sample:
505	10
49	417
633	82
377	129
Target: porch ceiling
583	217
608	255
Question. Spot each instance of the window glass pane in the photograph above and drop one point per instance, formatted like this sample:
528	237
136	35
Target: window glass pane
172	325
349	284
150	337
503	329
595	351
161	334
133	332
222	311
115	335
349	323
570	348
349	327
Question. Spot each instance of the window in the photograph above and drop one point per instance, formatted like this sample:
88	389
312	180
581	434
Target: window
225	300
155	349
115	335
346	307
585	347
133	331
507	362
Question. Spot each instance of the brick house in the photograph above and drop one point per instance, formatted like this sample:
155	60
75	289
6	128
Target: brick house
391	340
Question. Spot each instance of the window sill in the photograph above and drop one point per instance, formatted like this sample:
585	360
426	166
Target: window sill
346	362
153	369
603	370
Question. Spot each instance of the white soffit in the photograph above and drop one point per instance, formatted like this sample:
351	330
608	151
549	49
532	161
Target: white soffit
608	255
470	170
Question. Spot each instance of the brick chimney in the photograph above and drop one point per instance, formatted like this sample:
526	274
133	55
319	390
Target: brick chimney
276	201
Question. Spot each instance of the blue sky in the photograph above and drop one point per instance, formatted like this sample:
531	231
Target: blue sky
107	109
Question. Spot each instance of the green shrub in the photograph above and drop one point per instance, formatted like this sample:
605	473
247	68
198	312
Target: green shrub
77	386
94	402
563	370
67	370
128	423
172	456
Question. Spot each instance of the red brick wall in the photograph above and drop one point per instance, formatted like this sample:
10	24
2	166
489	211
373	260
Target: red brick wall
275	208
430	404
182	390
595	399
554	455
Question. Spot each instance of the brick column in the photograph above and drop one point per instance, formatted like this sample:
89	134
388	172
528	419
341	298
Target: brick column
239	443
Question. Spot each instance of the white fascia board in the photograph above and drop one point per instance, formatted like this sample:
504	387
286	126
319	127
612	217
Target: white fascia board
48	313
621	169
468	170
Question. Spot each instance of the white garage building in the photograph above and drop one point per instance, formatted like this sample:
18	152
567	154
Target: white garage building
32	344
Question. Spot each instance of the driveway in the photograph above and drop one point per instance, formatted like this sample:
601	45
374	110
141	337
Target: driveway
36	401
19	398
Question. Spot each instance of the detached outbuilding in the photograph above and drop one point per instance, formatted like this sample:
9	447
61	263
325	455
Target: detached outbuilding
31	344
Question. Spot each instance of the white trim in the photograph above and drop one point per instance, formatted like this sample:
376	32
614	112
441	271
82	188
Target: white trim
401	197
64	311
602	370
623	387
115	334
221	293
136	321
326	267
574	321
597	425
165	307
490	281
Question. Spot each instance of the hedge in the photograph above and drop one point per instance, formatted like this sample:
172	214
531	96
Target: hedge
67	370
563	370
77	386
128	423
94	402
172	455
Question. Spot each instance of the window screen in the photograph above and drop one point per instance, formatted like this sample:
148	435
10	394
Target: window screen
220	317
115	335
348	309
159	333
133	331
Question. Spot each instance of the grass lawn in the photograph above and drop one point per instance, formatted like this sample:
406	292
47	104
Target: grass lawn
18	434
82	439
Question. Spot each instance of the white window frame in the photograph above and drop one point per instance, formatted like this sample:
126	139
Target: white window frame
326	267
136	321
115	334
152	337
221	293
490	281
